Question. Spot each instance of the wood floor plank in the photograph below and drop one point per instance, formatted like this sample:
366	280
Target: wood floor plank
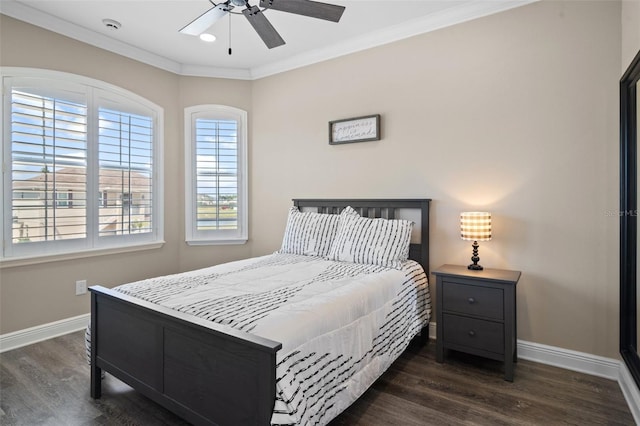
48	384
448	386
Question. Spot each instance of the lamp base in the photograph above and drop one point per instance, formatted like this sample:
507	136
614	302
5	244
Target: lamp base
474	266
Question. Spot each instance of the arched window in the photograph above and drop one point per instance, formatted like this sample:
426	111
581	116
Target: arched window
216	175
68	141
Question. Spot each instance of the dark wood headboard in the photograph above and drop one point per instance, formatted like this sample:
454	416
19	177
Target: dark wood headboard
384	208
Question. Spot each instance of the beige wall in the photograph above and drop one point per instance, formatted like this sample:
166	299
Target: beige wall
630	31
492	114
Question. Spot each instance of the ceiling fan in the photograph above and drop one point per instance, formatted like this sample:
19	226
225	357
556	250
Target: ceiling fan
258	21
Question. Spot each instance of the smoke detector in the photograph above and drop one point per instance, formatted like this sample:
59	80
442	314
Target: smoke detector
111	24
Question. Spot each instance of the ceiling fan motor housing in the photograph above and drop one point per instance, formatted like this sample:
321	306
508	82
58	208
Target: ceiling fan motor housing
258	21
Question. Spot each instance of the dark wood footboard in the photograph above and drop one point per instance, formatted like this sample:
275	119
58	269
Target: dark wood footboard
206	373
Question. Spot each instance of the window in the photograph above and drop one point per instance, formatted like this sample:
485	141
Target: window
81	166
216	183
64	199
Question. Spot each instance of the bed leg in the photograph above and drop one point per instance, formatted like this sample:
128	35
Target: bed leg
96	382
424	335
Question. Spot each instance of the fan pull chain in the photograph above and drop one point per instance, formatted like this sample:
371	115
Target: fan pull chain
229	34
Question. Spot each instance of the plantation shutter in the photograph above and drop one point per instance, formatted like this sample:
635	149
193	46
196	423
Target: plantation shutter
216	171
49	158
125	176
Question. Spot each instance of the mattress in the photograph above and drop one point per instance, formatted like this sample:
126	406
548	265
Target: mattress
341	324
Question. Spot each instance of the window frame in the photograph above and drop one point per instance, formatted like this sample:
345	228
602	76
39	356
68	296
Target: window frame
193	236
95	92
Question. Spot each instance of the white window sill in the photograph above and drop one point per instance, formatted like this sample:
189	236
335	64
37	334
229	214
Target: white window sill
238	241
24	261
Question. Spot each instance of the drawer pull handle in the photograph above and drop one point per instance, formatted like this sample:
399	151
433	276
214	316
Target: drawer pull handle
472	333
471	300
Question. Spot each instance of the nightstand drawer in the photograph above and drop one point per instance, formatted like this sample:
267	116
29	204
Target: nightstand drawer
474	333
473	300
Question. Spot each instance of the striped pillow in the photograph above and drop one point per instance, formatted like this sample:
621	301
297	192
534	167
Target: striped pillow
309	233
382	242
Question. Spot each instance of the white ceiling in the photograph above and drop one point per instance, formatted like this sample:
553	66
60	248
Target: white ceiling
149	31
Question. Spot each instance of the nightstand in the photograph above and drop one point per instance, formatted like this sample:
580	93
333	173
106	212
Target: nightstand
476	313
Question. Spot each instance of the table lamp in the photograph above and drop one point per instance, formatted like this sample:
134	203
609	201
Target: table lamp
475	226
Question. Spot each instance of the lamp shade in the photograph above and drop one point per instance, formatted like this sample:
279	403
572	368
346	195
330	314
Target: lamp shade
475	226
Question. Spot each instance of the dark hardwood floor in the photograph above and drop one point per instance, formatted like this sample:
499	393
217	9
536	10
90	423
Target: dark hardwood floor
48	384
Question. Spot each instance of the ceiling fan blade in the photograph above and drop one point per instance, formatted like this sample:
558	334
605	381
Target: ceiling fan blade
263	27
314	9
204	21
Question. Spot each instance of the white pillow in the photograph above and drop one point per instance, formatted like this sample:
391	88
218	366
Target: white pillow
309	233
382	242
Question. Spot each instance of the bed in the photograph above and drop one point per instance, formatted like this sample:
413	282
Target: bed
251	368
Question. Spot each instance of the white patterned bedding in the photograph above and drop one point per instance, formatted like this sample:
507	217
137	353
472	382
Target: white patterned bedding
340	324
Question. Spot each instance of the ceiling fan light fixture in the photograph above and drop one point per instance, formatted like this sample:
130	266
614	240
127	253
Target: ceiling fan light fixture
209	38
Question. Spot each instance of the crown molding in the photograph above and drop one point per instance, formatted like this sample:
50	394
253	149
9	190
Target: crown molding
457	14
217	72
35	17
446	18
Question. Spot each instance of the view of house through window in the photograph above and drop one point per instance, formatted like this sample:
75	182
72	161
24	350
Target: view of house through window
125	180
49	161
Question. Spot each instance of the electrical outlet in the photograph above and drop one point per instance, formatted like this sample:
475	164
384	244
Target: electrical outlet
81	287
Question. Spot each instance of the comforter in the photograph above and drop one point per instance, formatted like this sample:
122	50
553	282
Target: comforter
341	324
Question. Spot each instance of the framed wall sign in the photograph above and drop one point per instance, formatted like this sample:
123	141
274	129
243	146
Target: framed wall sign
358	129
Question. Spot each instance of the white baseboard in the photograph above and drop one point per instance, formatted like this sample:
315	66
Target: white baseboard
630	391
582	362
432	330
39	333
